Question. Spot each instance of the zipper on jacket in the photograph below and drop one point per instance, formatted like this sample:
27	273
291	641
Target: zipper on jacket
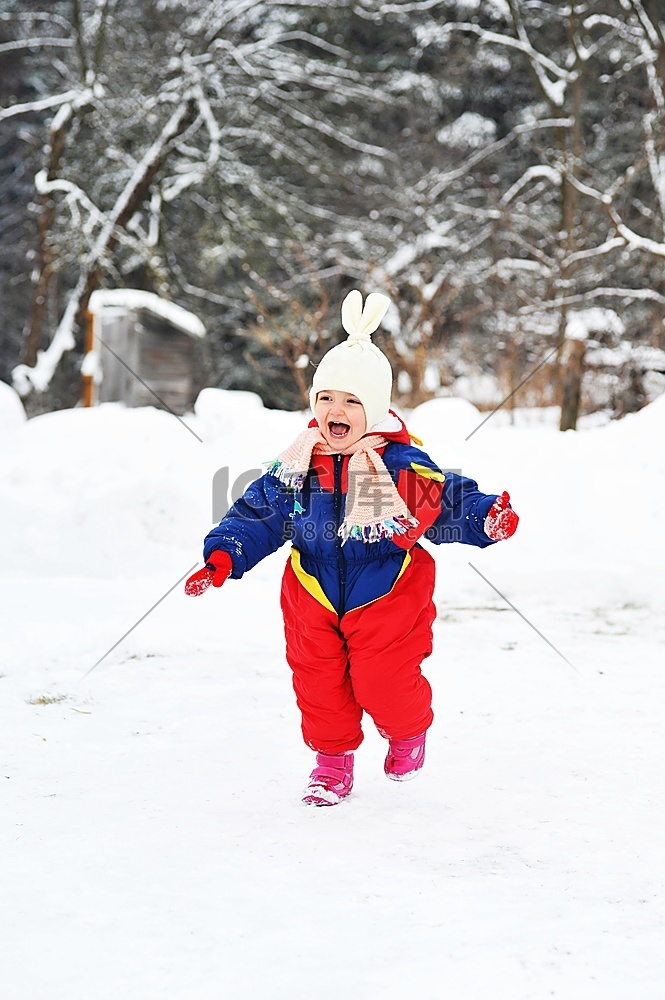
341	565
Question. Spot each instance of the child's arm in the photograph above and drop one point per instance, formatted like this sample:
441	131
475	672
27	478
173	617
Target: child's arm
449	507
470	516
252	529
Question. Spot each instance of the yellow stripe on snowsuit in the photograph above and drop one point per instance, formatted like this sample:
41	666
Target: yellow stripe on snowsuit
428	473
309	582
313	587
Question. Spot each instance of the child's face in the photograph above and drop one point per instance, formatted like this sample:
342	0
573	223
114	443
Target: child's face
341	417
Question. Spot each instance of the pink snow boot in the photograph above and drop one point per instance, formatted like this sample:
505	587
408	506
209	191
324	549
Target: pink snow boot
330	781
405	758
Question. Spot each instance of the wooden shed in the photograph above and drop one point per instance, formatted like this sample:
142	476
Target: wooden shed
142	350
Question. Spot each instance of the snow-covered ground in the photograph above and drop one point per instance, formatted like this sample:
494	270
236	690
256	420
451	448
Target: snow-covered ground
153	842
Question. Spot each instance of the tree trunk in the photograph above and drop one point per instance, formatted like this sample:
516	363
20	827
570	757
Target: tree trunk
571	152
35	334
572	362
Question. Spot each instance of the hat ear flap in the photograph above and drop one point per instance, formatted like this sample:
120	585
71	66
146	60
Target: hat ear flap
352	309
376	307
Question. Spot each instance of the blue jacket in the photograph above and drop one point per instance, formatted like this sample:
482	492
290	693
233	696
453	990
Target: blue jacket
449	508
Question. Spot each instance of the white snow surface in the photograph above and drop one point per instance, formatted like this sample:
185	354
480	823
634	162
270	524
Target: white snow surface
11	408
153	840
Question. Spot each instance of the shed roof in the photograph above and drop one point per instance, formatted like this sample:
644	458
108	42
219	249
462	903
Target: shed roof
134	298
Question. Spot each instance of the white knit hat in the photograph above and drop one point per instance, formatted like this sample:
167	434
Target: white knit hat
357	366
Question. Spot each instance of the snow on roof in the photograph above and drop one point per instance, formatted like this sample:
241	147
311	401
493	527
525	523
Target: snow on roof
134	298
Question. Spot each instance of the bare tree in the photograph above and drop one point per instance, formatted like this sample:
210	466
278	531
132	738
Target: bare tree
243	99
494	166
517	200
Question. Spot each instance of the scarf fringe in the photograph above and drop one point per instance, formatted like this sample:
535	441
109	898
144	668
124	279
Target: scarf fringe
291	477
378	530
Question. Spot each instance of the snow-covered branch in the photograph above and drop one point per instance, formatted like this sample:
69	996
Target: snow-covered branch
43	104
321	125
541	170
615	243
35	43
626	294
74	193
24	16
194	173
630	237
554	89
652	30
297	36
634	240
491	148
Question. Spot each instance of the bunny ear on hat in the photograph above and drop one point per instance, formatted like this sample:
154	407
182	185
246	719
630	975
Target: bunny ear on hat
358	321
352	310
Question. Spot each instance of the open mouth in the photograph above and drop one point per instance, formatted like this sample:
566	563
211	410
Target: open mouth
338	430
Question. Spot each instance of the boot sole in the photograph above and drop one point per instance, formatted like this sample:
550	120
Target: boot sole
322	797
409	776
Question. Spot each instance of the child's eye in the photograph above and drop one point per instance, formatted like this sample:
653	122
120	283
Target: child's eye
357	401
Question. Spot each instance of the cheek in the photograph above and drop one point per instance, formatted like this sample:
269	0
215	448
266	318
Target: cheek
359	423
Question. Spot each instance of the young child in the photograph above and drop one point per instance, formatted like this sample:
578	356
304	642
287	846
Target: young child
354	495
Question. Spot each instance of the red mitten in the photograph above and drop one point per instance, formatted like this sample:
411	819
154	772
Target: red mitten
501	521
216	572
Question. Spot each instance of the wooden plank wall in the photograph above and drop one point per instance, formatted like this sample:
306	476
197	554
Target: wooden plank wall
163	356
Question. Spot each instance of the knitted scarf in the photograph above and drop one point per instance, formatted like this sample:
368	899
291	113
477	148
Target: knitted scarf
374	508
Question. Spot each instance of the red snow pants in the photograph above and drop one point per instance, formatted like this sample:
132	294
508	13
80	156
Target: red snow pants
369	660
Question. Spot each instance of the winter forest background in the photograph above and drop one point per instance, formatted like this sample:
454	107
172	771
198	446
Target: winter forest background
497	166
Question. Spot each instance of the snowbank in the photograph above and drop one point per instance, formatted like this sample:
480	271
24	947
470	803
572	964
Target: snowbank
11	408
444	419
108	490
